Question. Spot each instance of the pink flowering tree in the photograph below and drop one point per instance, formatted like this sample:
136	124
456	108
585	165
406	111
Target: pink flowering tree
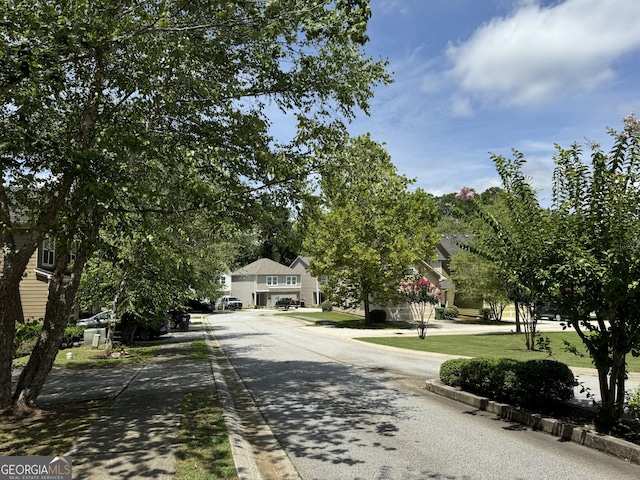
422	295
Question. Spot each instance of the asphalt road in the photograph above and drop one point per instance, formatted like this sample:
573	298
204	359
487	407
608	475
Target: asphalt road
343	409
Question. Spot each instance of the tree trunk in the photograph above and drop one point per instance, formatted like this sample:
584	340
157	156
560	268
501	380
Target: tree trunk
612	383
11	312
44	353
59	303
128	328
367	313
518	327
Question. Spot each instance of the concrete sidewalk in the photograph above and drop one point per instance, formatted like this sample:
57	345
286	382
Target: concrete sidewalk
136	436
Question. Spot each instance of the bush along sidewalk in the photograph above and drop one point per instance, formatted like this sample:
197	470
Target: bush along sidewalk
534	393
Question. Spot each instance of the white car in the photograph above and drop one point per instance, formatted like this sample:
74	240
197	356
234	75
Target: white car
97	320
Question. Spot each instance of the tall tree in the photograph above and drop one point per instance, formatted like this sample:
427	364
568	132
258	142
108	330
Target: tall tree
515	241
99	92
372	230
480	280
596	265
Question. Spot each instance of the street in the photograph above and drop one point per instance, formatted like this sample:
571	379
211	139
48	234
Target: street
344	409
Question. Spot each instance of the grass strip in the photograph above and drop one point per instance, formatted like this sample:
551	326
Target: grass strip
199	350
508	345
346	320
86	357
203	450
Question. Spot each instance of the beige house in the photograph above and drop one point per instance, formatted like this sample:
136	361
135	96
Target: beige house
438	271
310	288
263	282
34	286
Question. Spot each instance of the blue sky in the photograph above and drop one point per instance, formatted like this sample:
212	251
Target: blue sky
479	76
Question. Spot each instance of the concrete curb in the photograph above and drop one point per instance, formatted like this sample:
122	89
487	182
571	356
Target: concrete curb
613	446
243	458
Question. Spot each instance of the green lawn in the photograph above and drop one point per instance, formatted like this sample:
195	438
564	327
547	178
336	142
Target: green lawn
86	357
345	320
508	345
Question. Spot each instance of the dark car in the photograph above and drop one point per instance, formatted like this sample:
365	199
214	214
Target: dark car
549	312
150	332
199	306
287	303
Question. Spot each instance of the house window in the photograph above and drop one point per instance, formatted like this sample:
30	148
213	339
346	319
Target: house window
48	252
272	281
222	281
292	280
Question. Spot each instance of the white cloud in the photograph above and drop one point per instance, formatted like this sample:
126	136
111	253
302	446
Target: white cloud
538	52
461	106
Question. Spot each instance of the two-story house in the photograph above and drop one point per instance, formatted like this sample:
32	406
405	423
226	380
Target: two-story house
263	282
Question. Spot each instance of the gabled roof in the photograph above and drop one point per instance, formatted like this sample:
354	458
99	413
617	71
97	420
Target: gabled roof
304	261
450	244
264	266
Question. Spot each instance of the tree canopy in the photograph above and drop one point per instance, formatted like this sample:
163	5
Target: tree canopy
596	261
513	239
372	228
105	105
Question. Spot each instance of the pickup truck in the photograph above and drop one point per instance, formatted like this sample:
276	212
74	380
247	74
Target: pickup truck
285	303
229	303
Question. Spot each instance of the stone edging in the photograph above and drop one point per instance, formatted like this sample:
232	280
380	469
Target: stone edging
605	443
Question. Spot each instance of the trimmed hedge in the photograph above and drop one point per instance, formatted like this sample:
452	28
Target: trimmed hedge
503	379
449	313
378	316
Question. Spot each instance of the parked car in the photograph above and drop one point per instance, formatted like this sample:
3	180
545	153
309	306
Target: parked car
97	320
549	312
286	303
228	303
146	332
199	305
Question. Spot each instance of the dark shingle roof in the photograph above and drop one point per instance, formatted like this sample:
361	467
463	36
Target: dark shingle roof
450	245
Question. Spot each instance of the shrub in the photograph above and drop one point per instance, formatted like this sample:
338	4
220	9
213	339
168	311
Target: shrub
633	403
72	334
537	380
378	316
326	306
485	313
518	383
25	338
485	376
450	371
450	313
